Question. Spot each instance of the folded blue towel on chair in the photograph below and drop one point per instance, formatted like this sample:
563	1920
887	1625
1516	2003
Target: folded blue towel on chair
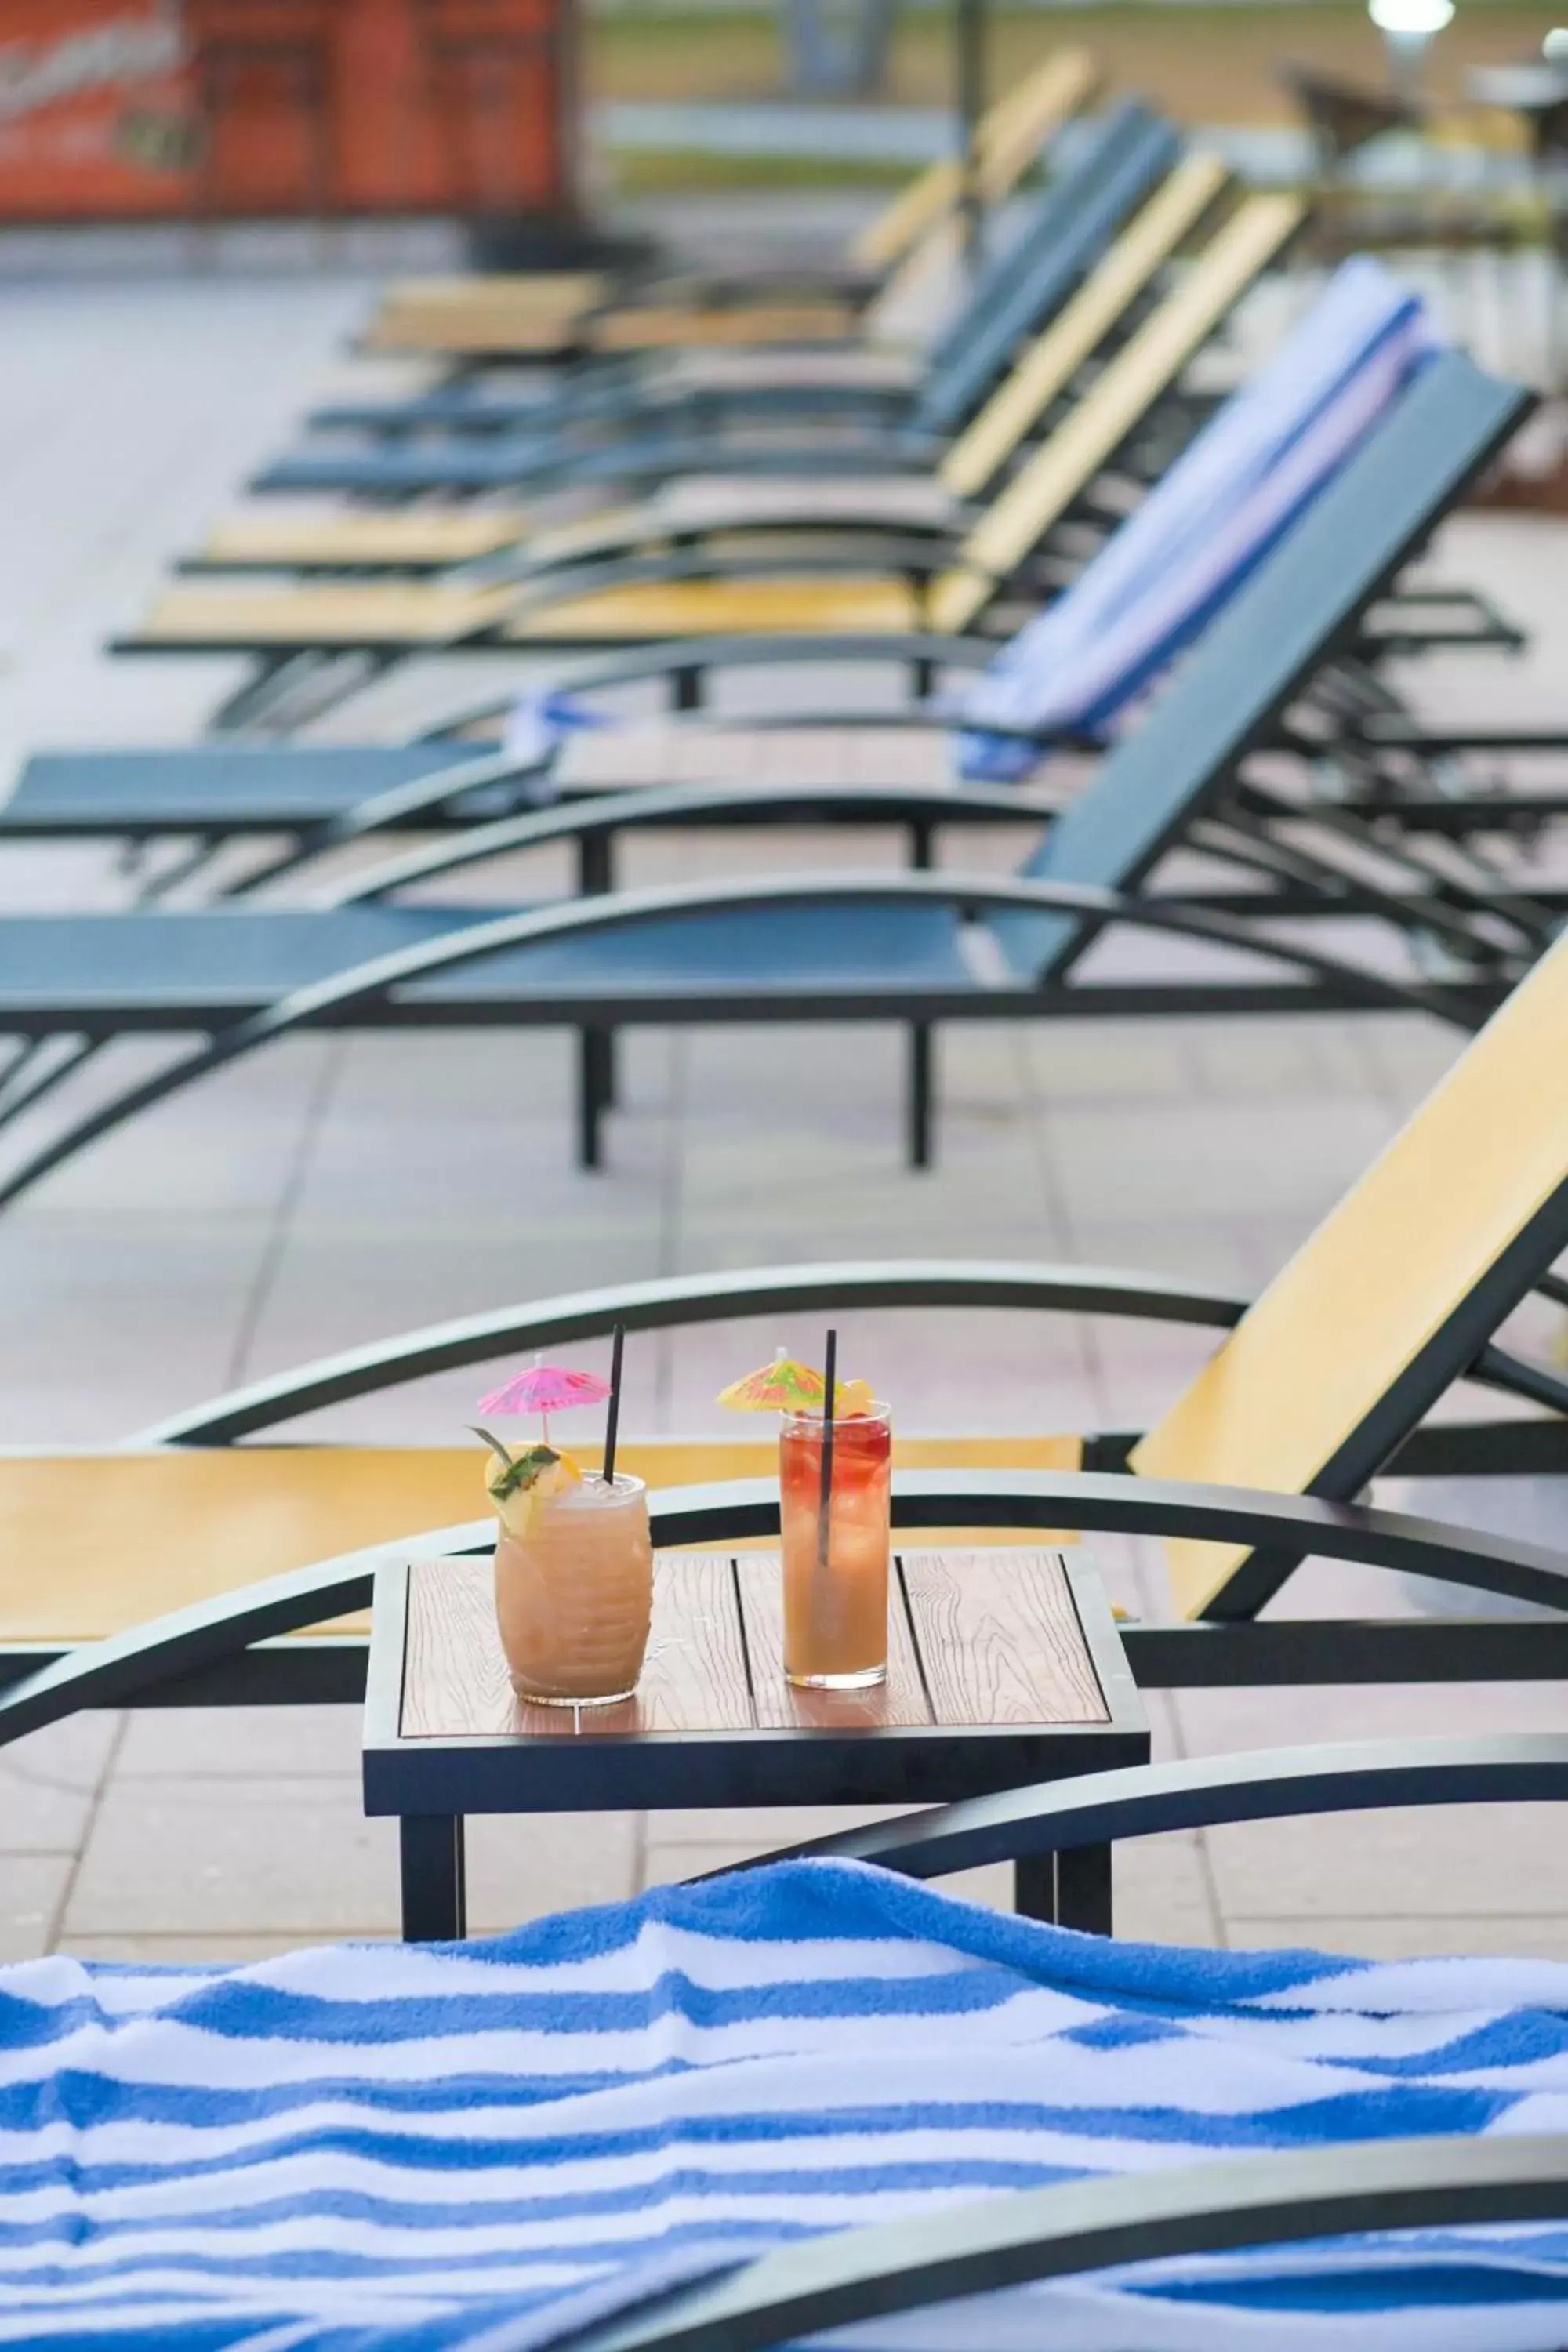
421	2147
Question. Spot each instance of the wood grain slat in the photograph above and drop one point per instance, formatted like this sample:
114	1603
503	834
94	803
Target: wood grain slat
999	1638
455	1684
901	1700
454	1675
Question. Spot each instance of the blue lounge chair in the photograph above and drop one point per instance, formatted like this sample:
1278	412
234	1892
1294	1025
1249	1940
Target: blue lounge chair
1339	1369
914	949
1069	226
1163	576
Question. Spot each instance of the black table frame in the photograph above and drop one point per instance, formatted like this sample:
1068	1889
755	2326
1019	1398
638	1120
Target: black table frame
431	1785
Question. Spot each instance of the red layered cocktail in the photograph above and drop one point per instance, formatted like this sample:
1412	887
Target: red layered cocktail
835	1575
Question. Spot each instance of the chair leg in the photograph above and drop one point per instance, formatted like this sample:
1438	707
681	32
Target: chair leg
1035	1887
919	1108
1083	1889
595	1092
595	865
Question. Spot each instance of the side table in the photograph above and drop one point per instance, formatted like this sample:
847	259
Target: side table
1004	1669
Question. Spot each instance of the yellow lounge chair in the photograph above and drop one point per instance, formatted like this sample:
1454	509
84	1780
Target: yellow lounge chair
910	240
1325	1380
393	619
424	538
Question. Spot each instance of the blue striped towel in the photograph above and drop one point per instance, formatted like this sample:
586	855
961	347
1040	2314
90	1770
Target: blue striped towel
487	2143
1252	472
1208	523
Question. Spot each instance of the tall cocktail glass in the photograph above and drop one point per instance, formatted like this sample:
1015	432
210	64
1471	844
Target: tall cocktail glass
574	1594
835	1592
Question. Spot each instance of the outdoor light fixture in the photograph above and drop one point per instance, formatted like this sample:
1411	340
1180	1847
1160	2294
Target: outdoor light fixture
1407	27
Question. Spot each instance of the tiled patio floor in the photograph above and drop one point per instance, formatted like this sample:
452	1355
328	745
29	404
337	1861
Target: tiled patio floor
336	1189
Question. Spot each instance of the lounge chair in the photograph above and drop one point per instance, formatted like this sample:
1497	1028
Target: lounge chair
468	320
300	630
1066	231
1104	307
909	947
1329	1379
1163	575
736	2115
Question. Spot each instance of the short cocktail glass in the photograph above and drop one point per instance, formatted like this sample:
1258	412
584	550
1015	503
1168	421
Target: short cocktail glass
835	1595
573	1596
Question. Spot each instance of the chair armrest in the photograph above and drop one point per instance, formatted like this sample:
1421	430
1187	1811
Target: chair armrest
697	655
111	1673
1114	1503
681	1302
1205	1793
1032	2234
648	805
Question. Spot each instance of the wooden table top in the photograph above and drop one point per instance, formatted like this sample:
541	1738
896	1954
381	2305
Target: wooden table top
1000	1661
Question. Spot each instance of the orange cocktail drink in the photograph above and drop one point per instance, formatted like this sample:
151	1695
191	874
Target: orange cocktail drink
835	1577
574	1592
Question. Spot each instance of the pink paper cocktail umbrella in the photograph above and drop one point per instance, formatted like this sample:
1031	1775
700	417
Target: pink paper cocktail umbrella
545	1389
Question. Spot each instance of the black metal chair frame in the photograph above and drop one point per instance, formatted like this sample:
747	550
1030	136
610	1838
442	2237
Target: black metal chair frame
1271	2200
229	1650
1123	158
1032	2235
1233	694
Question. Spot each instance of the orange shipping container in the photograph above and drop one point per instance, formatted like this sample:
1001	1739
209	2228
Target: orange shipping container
148	109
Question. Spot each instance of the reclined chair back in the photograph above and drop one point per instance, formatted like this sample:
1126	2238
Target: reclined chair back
1392	1297
1104	302
1123	160
1147	365
1303	604
1200	534
1009	136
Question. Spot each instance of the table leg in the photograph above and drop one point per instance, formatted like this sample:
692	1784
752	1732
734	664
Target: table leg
1083	1889
434	1891
1035	1886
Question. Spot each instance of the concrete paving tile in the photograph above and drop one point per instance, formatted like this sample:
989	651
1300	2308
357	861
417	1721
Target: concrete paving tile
961	1372
741	1830
282	1856
1484	1859
32	1887
523	1869
1222	1722
1434	1934
1198	1160
209	1743
227	1143
1073	1062
47	1783
1161	1893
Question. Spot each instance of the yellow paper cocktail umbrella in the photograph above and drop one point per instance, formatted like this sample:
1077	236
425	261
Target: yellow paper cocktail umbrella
783	1386
786	1385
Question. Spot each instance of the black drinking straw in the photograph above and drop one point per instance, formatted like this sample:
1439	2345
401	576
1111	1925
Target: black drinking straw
612	1418
830	1382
